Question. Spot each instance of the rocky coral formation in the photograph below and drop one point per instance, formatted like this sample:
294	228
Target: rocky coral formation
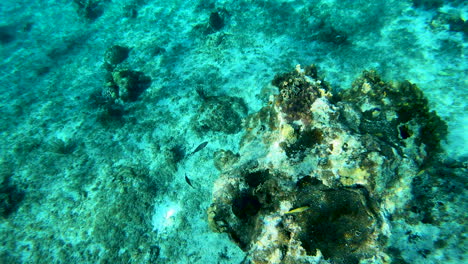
122	86
126	85
319	175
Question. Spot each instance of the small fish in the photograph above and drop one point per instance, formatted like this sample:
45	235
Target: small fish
375	112
200	147
421	172
188	181
298	210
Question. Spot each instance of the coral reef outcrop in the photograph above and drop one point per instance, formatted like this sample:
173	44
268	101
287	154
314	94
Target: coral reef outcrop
319	175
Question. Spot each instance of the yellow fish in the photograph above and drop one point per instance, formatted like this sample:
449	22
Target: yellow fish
298	210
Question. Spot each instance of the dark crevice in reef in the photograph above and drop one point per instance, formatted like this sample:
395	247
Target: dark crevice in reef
306	140
338	222
246	206
254	179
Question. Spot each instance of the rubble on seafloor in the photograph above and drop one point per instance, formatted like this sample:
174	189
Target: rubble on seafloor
319	174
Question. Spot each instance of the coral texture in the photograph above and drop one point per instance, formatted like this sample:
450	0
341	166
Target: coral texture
318	175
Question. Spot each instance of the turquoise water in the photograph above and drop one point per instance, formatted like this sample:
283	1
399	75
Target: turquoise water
104	102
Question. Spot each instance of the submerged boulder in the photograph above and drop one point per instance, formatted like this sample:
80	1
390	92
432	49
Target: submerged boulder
319	175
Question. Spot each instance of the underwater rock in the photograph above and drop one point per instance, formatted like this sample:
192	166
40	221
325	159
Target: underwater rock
220	114
318	175
122	84
115	55
395	113
89	9
215	23
126	84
